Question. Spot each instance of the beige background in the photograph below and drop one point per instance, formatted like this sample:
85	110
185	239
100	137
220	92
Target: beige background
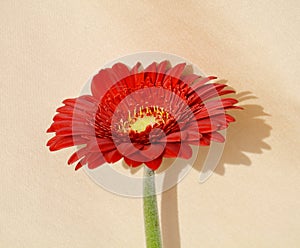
48	50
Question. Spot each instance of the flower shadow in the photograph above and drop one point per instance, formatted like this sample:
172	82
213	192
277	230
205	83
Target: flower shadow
244	136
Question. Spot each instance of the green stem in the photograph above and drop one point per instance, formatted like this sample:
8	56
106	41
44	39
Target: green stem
151	219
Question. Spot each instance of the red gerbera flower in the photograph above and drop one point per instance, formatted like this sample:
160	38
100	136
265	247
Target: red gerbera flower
141	116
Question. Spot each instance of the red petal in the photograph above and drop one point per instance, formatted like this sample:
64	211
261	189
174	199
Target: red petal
162	66
210	91
77	155
68	124
127	150
52	140
138	156
106	145
132	162
201	82
226	92
152	151
224	103
78	166
112	156
208	137
150	72
137	77
186	151
98	161
212	124
188	79
172	150
135	69
65	110
229	118
215	136
174	73
62	117
161	70
75	130
193	135
205	92
228	102
205	113
64	141
121	71
154	164
205	141
82	102
174	137
181	150
60	142
102	82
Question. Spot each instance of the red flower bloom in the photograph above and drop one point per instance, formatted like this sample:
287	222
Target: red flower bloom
141	116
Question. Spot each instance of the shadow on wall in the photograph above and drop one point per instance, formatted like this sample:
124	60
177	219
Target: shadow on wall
244	136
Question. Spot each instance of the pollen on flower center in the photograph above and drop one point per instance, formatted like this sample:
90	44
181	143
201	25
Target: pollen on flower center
142	122
140	119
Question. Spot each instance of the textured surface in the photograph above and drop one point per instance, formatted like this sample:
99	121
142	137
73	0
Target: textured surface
48	50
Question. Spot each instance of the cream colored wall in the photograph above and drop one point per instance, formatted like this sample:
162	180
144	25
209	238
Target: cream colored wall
48	50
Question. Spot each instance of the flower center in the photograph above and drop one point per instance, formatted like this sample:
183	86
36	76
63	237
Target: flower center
140	119
142	122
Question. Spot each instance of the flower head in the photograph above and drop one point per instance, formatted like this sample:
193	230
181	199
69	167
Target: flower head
142	116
